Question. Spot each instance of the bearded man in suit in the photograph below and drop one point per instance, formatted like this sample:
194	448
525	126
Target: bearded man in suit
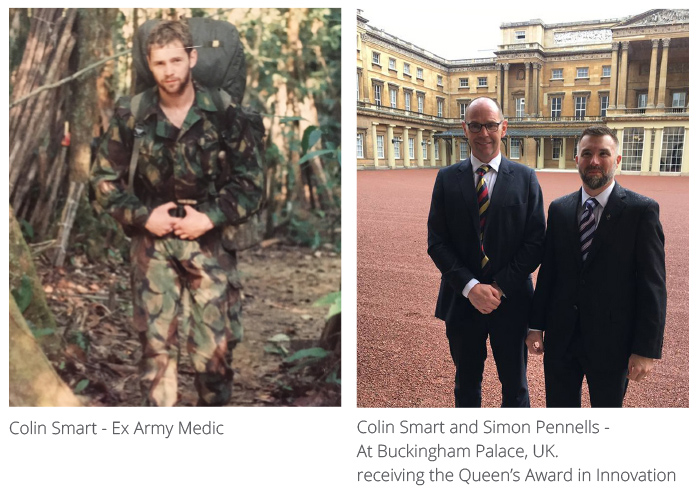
486	235
601	290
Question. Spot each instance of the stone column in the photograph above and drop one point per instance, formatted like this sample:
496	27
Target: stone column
663	71
374	141
653	63
506	98
526	112
646	152
656	155
540	154
390	142
431	147
419	141
622	95
538	68
406	157
613	76
455	151
562	154
443	152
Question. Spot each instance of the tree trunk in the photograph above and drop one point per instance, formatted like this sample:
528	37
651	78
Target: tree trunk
21	266
33	380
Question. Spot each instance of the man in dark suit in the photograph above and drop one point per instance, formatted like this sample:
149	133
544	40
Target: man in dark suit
601	290
486	234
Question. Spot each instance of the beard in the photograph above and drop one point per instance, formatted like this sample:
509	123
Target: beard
180	89
596	181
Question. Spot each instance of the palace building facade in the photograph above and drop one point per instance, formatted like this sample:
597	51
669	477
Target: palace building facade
551	80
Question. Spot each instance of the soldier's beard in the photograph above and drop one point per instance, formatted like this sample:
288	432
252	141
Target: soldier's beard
180	89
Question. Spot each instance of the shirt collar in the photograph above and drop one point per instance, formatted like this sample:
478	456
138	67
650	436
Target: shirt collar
602	198
494	163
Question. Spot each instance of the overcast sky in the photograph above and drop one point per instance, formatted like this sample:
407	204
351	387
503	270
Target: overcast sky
456	33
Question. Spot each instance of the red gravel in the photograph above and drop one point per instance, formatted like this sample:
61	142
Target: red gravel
402	352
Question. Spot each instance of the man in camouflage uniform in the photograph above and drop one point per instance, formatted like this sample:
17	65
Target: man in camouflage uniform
187	166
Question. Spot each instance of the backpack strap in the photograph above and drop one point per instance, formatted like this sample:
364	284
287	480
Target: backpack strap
138	111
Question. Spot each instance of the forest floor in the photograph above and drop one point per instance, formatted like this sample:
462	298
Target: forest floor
92	306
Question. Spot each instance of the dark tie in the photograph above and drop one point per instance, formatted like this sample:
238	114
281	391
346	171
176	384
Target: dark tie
482	198
587	226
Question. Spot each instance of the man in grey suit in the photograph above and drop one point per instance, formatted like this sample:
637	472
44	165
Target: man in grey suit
485	234
601	289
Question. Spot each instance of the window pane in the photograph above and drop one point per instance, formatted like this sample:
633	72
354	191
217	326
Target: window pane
672	149
632	147
360	146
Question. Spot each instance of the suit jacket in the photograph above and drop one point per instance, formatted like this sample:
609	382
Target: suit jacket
513	236
618	295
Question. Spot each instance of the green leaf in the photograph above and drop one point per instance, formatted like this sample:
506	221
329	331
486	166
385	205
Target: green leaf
328	299
305	140
314	353
277	350
82	384
313	154
40	333
27	229
23	294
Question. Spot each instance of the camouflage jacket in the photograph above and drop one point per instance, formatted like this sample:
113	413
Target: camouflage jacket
175	164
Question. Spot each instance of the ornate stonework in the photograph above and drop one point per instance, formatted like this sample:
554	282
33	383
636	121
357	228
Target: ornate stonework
660	17
583	37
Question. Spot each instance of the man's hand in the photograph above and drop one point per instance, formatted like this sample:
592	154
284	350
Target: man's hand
193	225
534	342
160	222
484	298
500	291
638	367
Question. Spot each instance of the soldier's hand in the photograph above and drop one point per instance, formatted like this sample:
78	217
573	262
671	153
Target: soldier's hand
638	367
193	225
160	222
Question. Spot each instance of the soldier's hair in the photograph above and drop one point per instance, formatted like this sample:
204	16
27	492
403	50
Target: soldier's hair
167	32
600	131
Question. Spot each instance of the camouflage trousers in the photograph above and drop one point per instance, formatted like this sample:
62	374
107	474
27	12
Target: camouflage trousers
198	279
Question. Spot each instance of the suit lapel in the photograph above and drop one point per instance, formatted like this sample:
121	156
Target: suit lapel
466	183
571	207
608	220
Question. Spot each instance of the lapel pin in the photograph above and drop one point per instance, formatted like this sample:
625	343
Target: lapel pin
607	217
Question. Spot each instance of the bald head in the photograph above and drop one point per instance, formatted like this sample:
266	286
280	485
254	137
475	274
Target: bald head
483	103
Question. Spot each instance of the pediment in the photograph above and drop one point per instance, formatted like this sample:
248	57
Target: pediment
657	17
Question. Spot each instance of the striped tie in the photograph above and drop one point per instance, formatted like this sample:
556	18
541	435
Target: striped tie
587	226
482	198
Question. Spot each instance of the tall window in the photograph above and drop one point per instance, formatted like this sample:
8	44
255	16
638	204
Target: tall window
407	100
360	145
482	81
556	107
556	148
557	73
632	147
678	102
672	149
439	78
440	104
463	111
419	73
604	102
380	146
606	71
582	73
392	64
358	87
463	150
421	99
411	149
515	148
437	149
397	147
425	149
406	68
580	107
642	100
519	107
392	97
464	82
375	58
520	35
377	94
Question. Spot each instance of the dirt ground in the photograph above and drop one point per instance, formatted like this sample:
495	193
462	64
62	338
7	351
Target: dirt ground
402	352
92	306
